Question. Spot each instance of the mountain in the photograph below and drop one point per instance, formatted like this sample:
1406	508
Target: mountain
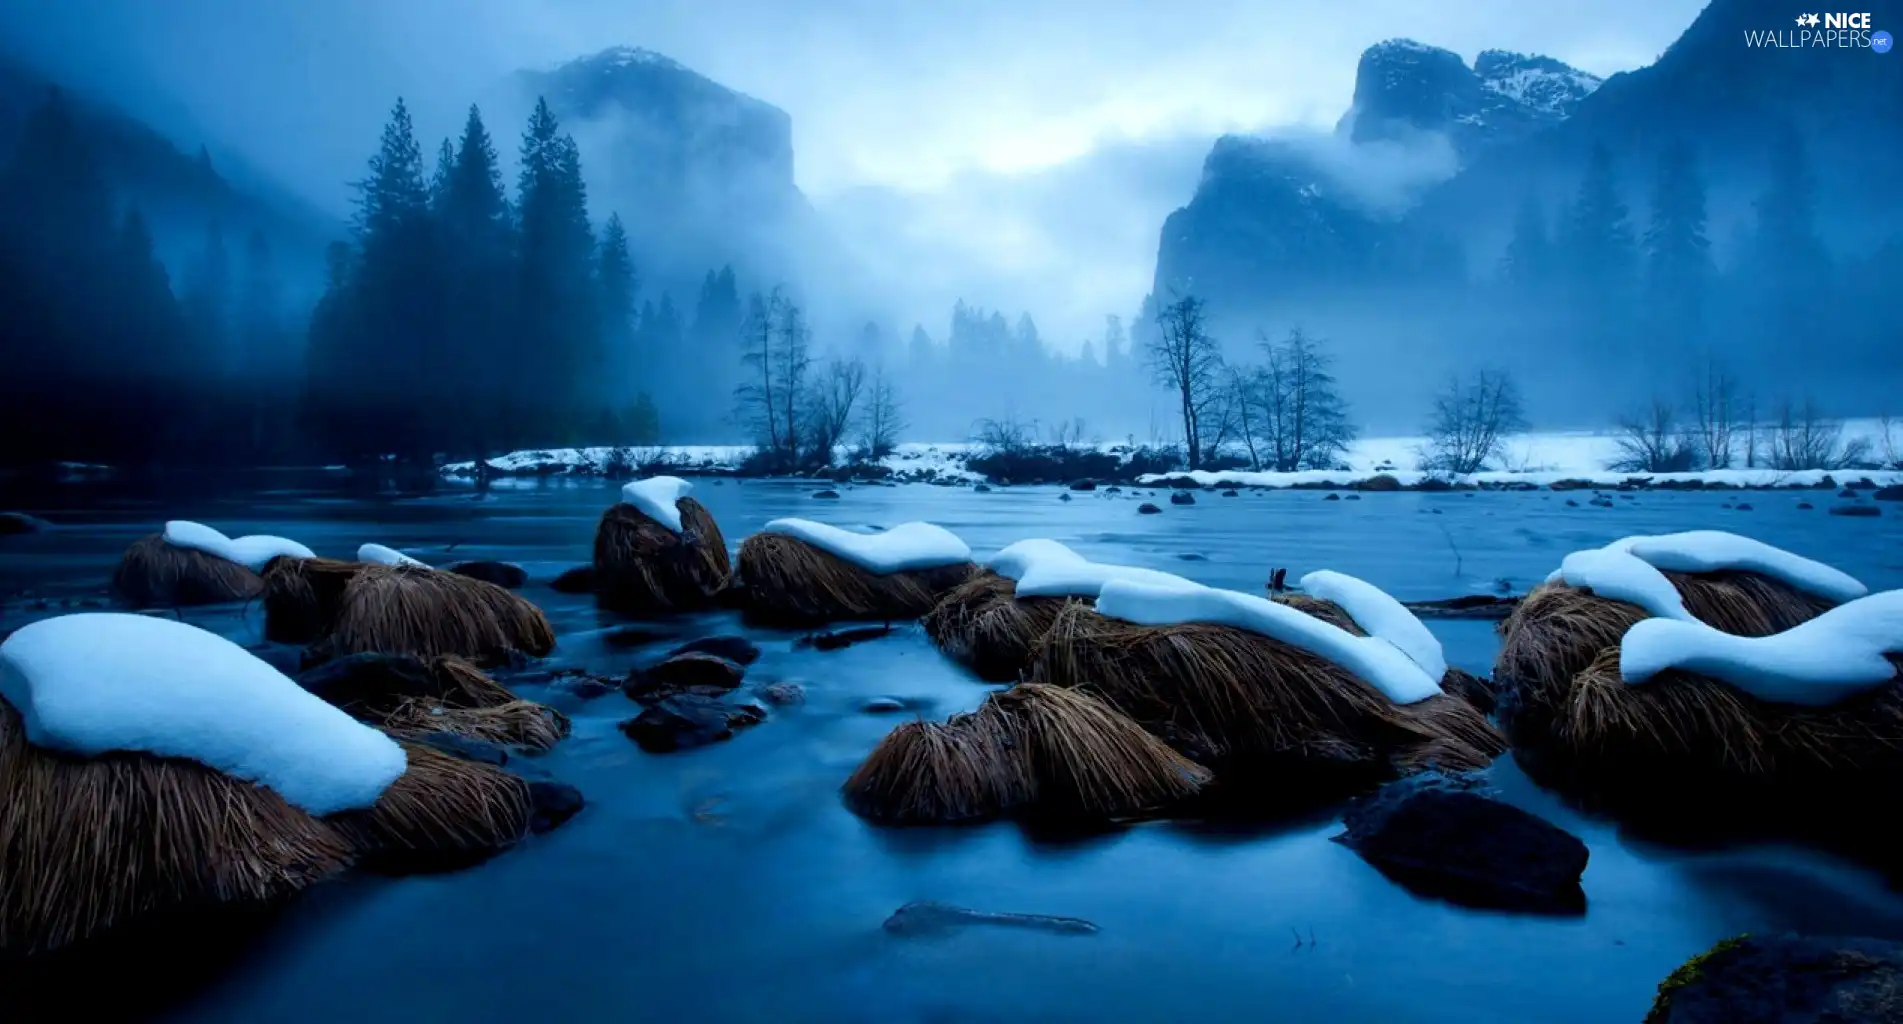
1403	88
179	192
702	174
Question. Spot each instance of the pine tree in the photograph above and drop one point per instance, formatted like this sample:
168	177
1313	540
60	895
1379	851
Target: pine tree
1600	243
1527	264
208	298
439	178
260	327
1678	253
1788	266
616	282
560	323
476	264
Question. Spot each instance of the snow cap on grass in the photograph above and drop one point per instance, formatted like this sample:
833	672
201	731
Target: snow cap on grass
656	497
903	548
379	555
97	682
1369	658
1701	551
1377	612
1045	568
1833	656
1617	575
251	552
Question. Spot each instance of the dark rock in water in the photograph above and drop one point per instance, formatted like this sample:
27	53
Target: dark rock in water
1332	497
1856	511
733	597
1894	492
1805	505
931	918
980	489
1570	503
1469	606
1182	498
1230	494
1846	493
783	694
746	715
468	749
827	493
590	687
1473	689
1600	503
842	638
1744	506
554	803
691	673
1352	497
679	723
737	649
1193	557
882	705
1147	509
579	580
13	524
1444	836
1788	979
507	575
1083	485
1113	489
635	636
370	678
1063	497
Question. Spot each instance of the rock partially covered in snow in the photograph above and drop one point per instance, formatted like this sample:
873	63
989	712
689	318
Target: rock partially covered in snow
657	497
1832	657
99	682
903	548
1045	568
1368	658
1445	837
378	554
252	551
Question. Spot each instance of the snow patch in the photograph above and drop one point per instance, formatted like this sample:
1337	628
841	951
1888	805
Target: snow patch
657	497
1618	575
1369	658
903	548
1377	612
1833	656
252	551
1045	568
377	554
97	682
1716	550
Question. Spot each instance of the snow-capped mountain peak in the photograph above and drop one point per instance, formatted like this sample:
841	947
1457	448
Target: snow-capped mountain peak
1543	84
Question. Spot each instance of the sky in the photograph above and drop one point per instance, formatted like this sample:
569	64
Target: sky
1037	141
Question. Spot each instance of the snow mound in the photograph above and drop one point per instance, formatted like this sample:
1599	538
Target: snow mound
1618	575
1045	568
251	552
377	554
1833	656
656	497
1377	612
903	548
1369	658
1716	550
97	682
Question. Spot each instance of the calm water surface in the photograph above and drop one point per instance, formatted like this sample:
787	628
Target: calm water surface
728	883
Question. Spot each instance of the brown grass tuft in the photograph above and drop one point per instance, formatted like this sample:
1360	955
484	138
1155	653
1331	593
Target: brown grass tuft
154	574
925	773
349	607
443	812
792	581
983	625
1234	697
642	567
88	845
518	723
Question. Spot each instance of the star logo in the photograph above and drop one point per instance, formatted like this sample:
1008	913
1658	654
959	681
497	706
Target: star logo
1811	20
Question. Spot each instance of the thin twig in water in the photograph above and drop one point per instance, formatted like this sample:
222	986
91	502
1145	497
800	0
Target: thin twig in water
1449	534
1298	937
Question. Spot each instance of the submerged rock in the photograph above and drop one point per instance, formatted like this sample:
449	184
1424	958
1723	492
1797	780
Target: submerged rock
680	722
1192	556
1744	506
882	706
1083	485
1894	492
1352	497
931	918
1182	498
980	489
1856	511
579	580
1332	496
783	694
634	636
586	687
1444	836
737	649
507	575
13	524
1805	505
691	673
1785	980
842	638
827	493
553	803
1063	497
1147	509
481	751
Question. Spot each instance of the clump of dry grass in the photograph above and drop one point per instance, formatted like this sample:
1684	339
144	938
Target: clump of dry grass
155	574
442	812
644	568
984	625
1233	698
517	723
89	845
791	581
1032	750
347	608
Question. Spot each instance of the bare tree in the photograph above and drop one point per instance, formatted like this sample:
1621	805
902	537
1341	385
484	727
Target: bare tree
792	360
757	399
1651	442
1068	432
1472	418
831	400
1185	359
1007	433
1715	406
1244	387
881	421
1803	437
1888	444
1299	409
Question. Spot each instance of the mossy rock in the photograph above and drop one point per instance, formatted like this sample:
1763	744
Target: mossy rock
1785	980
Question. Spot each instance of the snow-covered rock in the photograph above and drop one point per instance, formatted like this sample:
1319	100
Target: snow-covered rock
98	682
903	548
378	554
1369	658
656	497
1379	614
1045	568
251	551
1834	656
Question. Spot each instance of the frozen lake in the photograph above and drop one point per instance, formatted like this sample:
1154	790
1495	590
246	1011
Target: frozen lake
729	883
